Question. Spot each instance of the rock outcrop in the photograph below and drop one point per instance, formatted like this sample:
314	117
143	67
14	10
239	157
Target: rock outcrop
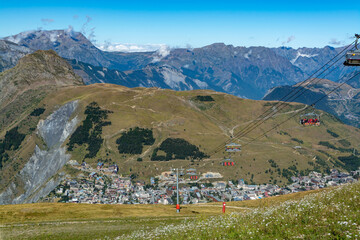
39	175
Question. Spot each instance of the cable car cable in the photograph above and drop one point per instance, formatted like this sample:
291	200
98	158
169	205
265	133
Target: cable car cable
243	133
273	113
250	128
302	110
254	125
281	101
298	89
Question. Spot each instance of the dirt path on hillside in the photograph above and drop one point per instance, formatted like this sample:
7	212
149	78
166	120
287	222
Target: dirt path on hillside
89	221
107	137
223	128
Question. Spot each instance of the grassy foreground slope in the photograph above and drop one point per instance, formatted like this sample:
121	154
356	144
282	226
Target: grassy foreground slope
85	221
330	214
321	214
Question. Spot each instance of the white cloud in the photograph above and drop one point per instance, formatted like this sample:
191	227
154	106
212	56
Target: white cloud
87	31
129	47
85	25
91	35
70	31
46	21
334	41
162	52
53	36
289	39
188	46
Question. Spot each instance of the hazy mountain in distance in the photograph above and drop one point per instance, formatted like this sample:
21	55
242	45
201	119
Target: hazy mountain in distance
247	72
67	43
309	60
344	103
74	45
10	53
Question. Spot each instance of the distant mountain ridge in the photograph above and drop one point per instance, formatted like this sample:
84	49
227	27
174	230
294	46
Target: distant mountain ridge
247	72
44	106
10	53
343	103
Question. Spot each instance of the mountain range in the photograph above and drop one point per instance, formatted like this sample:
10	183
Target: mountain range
247	72
48	117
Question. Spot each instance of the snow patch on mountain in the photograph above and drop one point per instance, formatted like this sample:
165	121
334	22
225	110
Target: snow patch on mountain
299	54
201	84
246	55
53	36
101	73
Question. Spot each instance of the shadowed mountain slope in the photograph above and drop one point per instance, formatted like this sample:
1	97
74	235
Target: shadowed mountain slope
344	103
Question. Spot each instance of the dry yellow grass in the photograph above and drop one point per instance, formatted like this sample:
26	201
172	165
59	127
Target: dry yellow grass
85	221
40	212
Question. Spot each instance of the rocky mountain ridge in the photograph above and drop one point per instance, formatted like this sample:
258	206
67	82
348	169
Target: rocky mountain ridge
39	69
10	53
242	71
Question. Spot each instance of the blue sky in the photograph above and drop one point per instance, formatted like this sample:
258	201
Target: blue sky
194	23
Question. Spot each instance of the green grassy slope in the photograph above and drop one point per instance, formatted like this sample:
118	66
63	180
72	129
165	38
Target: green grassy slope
204	124
330	214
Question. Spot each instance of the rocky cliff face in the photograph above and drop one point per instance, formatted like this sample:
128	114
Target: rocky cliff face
39	176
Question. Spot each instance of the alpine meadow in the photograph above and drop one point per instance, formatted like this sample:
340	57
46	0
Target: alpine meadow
176	120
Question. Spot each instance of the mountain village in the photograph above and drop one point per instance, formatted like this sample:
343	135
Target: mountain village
104	185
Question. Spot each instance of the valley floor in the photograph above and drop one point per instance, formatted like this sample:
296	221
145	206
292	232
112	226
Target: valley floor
86	221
